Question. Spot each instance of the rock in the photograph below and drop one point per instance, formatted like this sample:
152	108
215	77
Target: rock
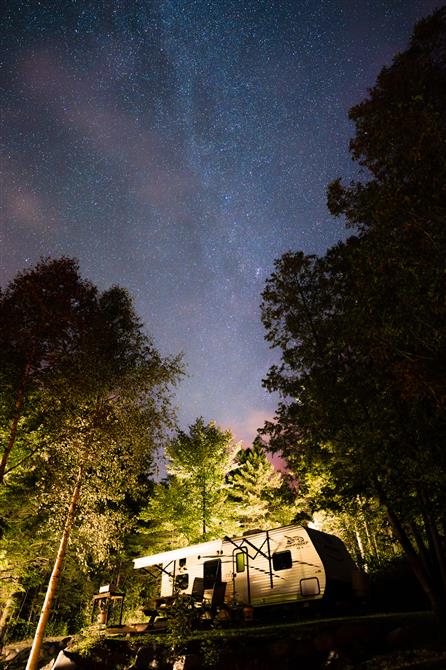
399	637
324	642
280	648
64	661
188	662
350	635
18	661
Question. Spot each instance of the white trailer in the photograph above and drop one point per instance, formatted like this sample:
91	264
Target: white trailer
281	566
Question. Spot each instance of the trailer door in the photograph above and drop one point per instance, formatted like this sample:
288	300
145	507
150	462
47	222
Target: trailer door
240	576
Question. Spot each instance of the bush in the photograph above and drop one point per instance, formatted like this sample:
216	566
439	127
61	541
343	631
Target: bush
394	587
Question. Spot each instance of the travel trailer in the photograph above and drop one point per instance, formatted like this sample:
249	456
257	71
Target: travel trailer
285	565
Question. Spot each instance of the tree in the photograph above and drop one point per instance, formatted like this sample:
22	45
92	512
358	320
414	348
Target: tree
360	522
41	313
104	390
24	524
400	134
260	494
361	329
192	505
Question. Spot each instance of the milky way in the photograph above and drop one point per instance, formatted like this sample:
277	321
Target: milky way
176	148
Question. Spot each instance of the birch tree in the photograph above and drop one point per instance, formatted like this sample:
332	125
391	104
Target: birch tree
42	312
107	408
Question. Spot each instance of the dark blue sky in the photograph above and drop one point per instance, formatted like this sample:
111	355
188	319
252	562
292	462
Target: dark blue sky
176	148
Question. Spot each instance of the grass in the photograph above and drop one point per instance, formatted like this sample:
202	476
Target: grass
363	641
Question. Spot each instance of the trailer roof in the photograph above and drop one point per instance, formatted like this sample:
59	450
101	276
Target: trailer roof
204	548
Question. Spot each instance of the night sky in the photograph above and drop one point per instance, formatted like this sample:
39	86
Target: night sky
176	148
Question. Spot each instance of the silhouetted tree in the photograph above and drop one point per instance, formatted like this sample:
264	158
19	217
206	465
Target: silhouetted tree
362	329
42	312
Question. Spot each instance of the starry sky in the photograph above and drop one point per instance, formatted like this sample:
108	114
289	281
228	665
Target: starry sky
176	148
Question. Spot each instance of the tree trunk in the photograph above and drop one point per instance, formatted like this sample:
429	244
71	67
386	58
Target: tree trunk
370	535
359	542
54	579
203	510
439	553
15	421
438	550
423	551
424	577
7	612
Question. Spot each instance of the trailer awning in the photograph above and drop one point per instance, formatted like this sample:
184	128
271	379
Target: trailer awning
204	549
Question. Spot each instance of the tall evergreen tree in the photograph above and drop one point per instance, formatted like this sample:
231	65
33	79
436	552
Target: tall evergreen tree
258	491
192	504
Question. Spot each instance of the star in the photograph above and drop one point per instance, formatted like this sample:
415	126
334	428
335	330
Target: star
177	149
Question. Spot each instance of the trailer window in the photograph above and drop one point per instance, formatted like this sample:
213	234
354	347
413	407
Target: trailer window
182	581
182	562
211	573
282	560
240	561
310	586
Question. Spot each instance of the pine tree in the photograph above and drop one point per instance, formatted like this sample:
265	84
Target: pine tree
192	504
255	489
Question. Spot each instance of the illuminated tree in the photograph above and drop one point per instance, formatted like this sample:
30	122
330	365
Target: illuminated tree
192	504
103	390
118	413
260	494
42	313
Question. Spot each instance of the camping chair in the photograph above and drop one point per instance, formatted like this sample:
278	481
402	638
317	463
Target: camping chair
198	590
218	596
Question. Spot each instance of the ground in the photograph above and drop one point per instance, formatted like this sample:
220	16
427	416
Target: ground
378	642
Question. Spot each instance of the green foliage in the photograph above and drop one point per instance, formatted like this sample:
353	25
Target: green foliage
42	313
191	505
211	651
140	593
182	620
170	518
97	402
361	329
86	643
214	489
260	494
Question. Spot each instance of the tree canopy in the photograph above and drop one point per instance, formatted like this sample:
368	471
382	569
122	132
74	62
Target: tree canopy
102	392
361	329
42	312
192	505
260	494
